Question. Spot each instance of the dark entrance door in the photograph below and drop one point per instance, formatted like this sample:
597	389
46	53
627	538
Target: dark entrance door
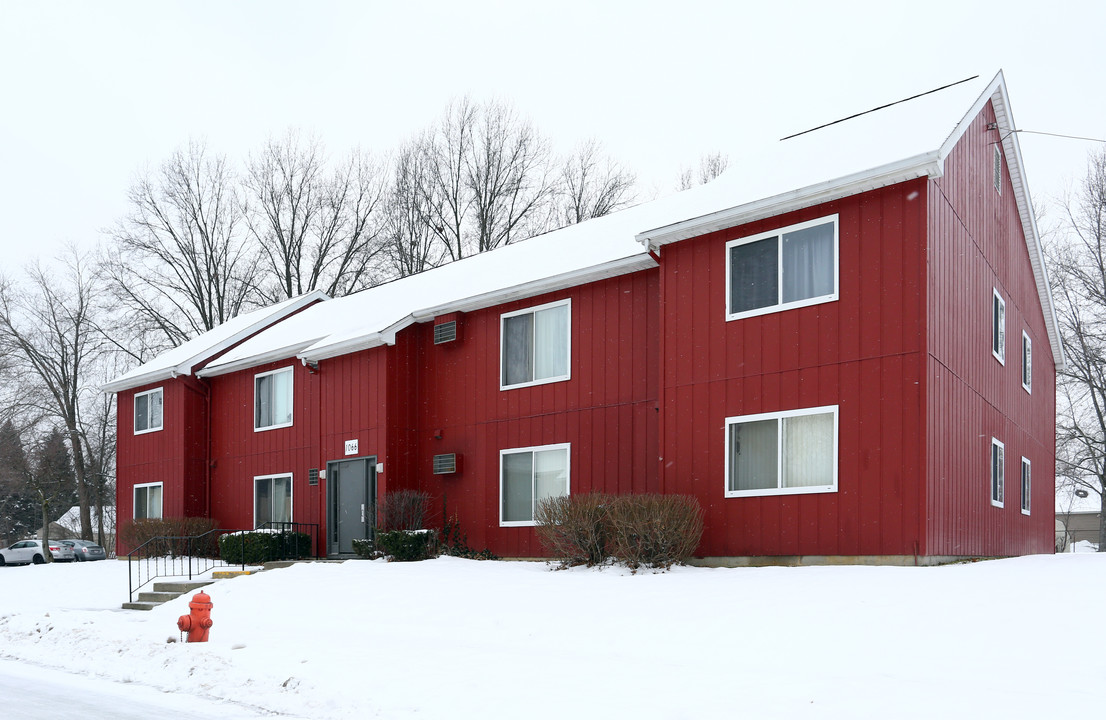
351	489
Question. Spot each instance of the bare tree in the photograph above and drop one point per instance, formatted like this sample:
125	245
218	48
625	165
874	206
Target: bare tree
1078	268
447	149
710	166
412	201
489	179
508	174
49	329
180	265
316	229
592	185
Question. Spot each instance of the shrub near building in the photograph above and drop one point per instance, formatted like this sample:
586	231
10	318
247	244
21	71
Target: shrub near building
648	530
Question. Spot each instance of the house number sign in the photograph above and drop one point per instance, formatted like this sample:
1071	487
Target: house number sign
351	447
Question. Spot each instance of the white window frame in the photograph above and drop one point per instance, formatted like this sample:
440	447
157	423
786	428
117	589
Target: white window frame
291	400
1026	485
999	483
149	429
134	498
998	326
567	447
780	306
291	494
779	417
567	302
1027	362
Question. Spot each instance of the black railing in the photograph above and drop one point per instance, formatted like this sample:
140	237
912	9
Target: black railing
174	556
193	555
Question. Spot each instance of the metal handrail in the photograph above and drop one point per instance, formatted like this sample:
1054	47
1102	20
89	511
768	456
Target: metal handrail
174	552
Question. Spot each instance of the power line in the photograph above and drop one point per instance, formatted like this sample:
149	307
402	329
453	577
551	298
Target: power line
881	107
1069	137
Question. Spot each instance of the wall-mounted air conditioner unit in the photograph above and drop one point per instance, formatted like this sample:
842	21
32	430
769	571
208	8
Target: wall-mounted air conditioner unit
447	464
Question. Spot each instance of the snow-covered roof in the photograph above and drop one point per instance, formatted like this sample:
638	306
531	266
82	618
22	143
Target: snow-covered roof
898	142
181	359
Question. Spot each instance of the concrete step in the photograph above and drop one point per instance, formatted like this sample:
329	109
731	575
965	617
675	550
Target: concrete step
140	605
157	597
180	587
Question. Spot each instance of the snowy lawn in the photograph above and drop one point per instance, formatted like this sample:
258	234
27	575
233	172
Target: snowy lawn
465	639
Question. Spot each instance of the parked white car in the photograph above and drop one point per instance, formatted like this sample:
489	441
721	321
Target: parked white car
26	552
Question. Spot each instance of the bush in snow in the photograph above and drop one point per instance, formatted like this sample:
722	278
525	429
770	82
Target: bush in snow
654	530
170	536
259	546
407	545
574	528
404	510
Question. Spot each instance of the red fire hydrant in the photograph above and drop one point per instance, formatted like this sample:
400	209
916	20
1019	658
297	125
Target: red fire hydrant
197	623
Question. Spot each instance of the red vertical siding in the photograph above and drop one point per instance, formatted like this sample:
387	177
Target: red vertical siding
606	410
976	245
860	352
174	455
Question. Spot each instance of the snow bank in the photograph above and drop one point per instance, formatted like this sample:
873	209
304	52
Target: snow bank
468	639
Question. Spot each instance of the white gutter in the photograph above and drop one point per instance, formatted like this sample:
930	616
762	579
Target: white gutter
927	164
387	336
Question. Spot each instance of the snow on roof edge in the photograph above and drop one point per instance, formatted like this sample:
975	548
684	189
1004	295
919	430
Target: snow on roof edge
167	365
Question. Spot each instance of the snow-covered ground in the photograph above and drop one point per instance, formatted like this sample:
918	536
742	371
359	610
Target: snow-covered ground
458	639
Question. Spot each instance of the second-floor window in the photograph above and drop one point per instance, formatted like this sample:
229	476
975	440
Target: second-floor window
535	345
998	327
148	407
1027	362
786	268
272	399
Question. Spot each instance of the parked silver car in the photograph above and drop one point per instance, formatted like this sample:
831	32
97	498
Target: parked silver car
26	552
86	550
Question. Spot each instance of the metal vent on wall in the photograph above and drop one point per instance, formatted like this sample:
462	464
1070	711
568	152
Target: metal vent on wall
313	476
446	464
445	332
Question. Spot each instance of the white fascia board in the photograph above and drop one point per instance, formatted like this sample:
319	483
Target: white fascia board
614	268
185	367
927	164
387	336
139	380
352	345
254	360
1015	166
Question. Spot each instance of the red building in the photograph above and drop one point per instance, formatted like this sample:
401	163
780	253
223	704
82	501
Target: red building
831	347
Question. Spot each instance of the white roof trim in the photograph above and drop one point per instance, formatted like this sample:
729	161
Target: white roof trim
1011	149
387	336
206	352
254	360
901	171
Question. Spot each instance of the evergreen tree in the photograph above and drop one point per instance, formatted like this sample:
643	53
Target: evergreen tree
18	507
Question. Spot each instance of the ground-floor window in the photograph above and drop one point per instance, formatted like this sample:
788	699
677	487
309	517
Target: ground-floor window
272	499
147	501
526	477
1027	482
998	473
794	451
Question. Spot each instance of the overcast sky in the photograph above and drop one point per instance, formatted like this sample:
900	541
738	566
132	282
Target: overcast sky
92	93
